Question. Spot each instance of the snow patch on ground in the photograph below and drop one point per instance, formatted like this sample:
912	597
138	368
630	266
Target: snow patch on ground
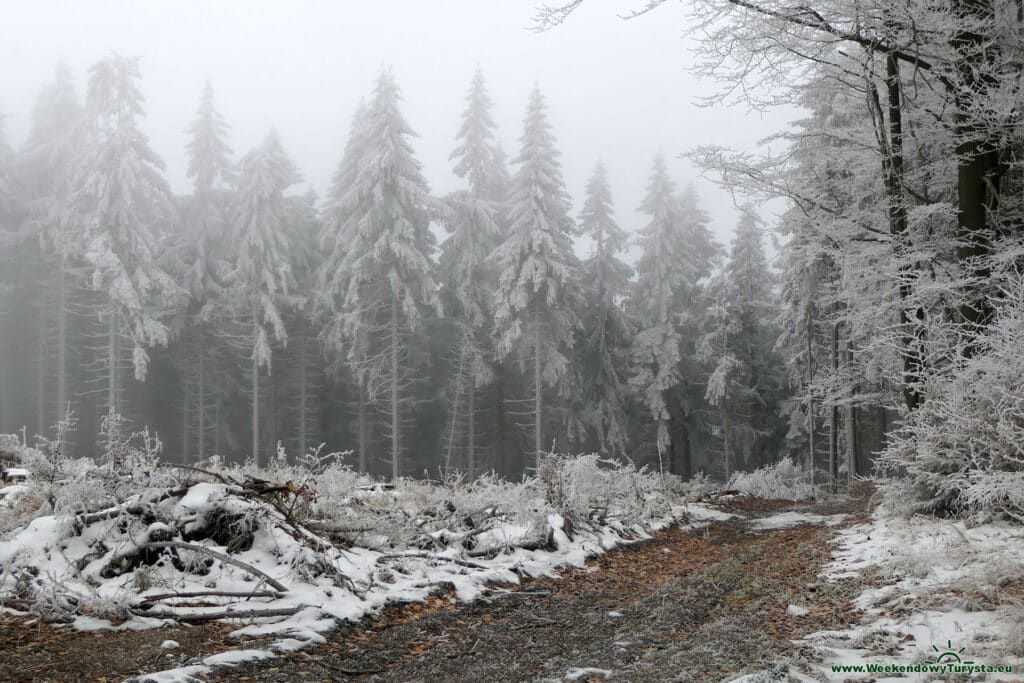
792	518
702	512
579	673
944	589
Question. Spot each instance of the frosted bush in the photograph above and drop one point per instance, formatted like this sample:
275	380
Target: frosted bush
785	480
962	450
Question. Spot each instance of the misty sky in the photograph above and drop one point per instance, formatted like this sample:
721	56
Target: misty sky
616	89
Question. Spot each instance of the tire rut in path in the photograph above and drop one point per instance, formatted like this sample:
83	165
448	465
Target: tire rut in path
686	606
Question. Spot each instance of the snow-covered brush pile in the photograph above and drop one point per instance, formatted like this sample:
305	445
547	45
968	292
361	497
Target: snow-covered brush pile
962	450
785	480
294	548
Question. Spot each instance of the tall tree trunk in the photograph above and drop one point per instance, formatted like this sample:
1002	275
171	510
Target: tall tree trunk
449	453
498	457
362	427
396	444
186	420
471	417
810	398
201	447
979	167
890	139
537	404
112	358
62	341
851	421
833	422
303	388
274	417
41	372
218	428
726	445
255	390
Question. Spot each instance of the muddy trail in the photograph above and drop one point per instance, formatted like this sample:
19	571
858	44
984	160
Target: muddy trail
689	605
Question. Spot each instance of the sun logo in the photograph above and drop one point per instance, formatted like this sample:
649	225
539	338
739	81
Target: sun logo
948	655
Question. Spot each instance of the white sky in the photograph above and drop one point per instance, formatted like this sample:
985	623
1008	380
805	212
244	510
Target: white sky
616	89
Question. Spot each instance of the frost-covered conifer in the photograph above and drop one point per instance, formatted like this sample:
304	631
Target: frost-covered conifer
205	266
538	282
123	207
738	344
603	352
472	219
47	170
380	289
669	269
263	280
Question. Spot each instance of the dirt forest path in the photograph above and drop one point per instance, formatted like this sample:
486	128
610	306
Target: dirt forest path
694	605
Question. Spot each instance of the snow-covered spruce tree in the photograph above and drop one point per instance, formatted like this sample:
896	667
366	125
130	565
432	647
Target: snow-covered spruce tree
676	254
603	349
301	375
472	218
47	168
122	207
204	262
738	343
262	281
538	283
380	289
334	243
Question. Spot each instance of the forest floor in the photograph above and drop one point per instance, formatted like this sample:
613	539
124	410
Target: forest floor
688	605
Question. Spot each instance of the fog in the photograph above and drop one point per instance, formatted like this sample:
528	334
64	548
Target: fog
616	89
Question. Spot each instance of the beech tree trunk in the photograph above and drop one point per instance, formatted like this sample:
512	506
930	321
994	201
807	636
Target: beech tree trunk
980	169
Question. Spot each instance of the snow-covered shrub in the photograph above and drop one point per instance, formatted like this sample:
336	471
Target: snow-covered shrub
596	488
785	480
962	450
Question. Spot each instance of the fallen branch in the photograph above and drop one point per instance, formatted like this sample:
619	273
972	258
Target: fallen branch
435	558
220	477
149	599
137	507
219	556
195	617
